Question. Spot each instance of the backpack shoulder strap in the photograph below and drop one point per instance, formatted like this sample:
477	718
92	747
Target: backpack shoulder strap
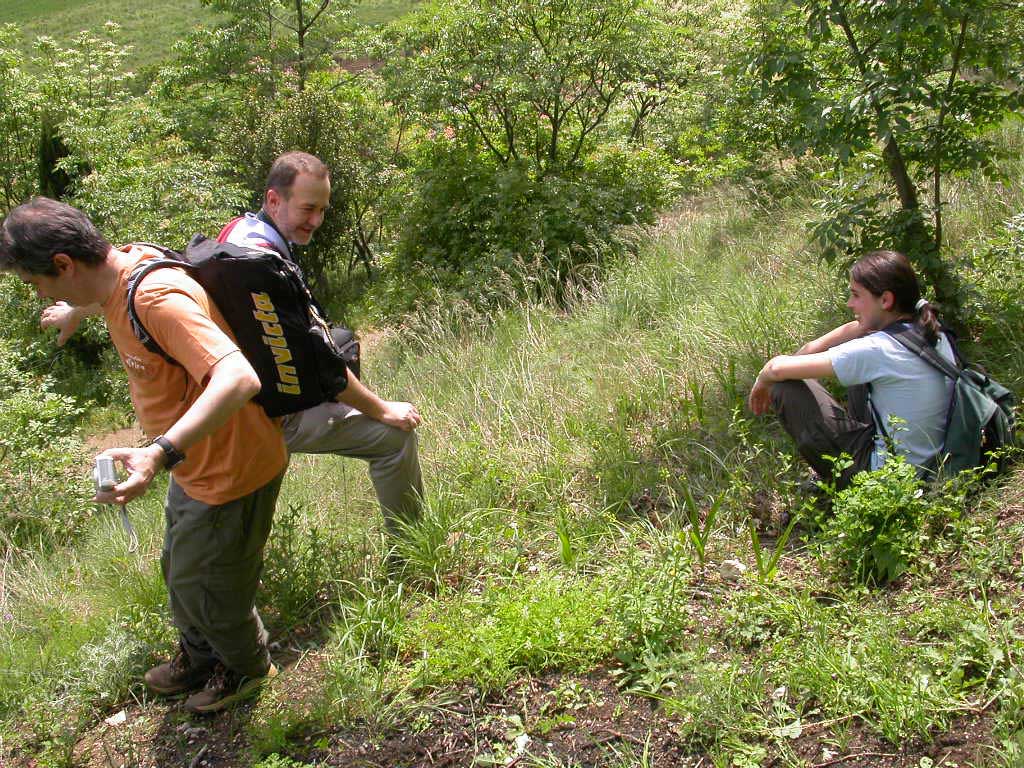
172	259
912	339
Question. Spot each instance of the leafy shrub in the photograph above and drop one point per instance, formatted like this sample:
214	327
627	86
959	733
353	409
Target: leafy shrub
488	231
44	490
876	528
298	568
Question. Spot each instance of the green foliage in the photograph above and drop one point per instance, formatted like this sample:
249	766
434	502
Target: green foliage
89	369
475	222
44	492
520	181
279	761
993	307
299	34
146	186
297	570
532	81
214	86
698	533
767	567
18	120
876	528
526	624
898	96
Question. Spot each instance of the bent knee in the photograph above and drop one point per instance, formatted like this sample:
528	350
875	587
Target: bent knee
395	440
787	390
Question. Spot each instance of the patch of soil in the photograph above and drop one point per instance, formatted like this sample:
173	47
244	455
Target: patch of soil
568	719
131	437
967	742
563	719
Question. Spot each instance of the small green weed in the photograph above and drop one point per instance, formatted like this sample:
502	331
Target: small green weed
768	566
298	568
276	760
567	550
698	533
527	623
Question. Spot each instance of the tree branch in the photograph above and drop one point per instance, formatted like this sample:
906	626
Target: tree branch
943	109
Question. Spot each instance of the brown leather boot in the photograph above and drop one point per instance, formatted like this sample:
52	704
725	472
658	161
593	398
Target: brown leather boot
225	688
177	675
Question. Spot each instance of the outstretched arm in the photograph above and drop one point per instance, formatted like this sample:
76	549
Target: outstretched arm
816	365
391	412
66	318
231	384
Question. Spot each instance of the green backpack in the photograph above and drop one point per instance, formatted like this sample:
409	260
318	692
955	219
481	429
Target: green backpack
980	420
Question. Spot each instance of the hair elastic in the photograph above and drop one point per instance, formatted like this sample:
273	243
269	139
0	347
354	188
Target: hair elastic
921	304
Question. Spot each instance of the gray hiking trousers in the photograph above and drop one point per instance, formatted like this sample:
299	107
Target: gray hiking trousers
211	561
391	452
822	427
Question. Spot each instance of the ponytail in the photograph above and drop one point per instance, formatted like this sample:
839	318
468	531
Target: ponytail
926	320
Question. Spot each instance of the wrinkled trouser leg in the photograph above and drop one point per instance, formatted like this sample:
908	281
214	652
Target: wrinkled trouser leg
391	452
211	560
822	427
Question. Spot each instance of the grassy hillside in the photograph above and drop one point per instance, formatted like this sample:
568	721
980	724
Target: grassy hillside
565	603
150	27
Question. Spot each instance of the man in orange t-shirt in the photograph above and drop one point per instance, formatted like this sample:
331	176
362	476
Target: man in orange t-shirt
225	455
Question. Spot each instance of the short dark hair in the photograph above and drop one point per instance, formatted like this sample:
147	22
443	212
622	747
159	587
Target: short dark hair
291	164
34	232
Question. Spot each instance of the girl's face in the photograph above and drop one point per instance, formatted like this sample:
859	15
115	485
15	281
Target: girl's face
872	312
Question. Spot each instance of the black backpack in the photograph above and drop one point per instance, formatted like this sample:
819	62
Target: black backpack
300	359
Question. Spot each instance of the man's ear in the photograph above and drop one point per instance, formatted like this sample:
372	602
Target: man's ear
271	199
62	263
888	300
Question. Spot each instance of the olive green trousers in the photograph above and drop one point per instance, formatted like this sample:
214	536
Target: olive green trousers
212	559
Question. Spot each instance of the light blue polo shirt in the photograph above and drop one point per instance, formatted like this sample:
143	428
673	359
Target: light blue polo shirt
911	398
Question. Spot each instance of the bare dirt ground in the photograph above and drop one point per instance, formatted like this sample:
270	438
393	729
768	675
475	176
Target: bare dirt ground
129	436
571	720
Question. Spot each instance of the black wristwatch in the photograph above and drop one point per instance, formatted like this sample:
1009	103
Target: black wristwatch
174	456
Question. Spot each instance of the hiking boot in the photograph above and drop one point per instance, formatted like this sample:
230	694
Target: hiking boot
177	675
225	688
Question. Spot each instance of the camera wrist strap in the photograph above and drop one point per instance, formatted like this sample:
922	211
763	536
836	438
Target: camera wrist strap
129	529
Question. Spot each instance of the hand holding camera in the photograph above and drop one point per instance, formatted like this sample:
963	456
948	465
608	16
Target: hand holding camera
104	474
104	477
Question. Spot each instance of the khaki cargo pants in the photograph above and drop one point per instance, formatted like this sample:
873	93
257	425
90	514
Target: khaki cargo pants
211	561
391	453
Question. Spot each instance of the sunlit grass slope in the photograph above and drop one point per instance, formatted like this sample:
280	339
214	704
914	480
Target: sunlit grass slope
151	27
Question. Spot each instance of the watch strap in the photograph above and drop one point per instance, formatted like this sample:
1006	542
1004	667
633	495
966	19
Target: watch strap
173	455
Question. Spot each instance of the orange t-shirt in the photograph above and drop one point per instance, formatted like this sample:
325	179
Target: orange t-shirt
244	454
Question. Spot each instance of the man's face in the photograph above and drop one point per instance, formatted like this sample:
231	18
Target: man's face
59	287
301	212
870	310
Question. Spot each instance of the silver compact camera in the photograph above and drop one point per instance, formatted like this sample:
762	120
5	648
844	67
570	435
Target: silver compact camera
104	474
